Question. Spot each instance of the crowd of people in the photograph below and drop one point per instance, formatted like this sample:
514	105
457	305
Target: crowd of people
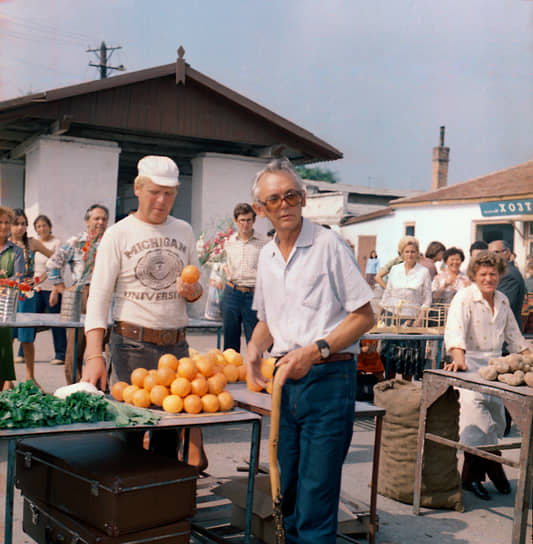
44	261
297	294
484	321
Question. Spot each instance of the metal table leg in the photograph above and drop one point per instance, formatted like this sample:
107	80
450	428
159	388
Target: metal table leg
254	451
75	362
10	488
374	484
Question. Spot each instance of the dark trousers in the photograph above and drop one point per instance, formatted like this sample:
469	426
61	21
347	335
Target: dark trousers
126	356
316	426
58	333
237	313
72	345
476	468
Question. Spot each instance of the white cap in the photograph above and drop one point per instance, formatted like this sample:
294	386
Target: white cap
161	170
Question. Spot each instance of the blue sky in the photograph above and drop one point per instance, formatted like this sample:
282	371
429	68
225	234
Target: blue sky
374	79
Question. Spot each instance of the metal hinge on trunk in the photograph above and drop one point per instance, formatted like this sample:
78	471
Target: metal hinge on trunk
27	459
34	515
95	488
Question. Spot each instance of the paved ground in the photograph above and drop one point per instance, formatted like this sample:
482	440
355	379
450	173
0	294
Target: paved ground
481	523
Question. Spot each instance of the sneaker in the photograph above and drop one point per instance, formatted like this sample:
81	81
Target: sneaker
57	362
19	359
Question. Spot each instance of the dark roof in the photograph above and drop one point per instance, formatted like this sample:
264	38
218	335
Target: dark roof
514	182
171	109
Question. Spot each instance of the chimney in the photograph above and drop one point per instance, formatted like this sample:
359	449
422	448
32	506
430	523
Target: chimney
441	158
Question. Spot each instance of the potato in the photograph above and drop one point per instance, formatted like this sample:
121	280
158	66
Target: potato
527	360
495	361
502	367
488	373
516	378
515	361
528	378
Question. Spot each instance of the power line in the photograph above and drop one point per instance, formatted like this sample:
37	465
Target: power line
102	52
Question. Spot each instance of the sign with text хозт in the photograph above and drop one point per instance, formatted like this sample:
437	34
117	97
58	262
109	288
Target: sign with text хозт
507	207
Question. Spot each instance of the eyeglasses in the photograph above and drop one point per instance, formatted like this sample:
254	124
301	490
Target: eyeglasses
273	203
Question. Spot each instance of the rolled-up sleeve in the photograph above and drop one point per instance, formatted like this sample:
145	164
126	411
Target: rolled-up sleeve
56	263
456	323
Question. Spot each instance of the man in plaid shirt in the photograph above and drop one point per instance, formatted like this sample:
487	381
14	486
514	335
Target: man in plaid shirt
72	254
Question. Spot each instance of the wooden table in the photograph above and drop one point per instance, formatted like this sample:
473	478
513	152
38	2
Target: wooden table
261	403
519	403
168	421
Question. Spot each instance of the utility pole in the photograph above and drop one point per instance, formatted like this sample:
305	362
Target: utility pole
102	52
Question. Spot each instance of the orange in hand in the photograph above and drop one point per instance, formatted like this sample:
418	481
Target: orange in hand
190	274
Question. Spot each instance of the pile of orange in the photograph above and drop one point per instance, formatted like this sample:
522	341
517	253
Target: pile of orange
267	371
191	384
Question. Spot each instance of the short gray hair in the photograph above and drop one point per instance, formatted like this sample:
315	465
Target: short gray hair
276	165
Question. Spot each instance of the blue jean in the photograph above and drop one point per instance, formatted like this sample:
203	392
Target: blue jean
316	426
236	312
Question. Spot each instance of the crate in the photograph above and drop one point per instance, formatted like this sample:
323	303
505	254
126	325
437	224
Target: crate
430	320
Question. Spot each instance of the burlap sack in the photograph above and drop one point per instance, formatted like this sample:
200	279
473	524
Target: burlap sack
441	484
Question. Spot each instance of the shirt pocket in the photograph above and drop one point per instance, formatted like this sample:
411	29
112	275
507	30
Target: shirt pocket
314	290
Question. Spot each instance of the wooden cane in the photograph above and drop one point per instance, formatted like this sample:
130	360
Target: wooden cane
275	481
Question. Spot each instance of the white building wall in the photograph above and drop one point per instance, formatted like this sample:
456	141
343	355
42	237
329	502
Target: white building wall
219	182
12	183
449	224
64	176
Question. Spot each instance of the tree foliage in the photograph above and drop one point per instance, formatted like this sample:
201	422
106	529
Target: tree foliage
318	174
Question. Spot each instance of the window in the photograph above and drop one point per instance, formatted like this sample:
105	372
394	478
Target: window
409	229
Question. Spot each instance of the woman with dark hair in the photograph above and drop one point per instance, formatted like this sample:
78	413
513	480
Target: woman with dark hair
447	282
11	266
43	227
433	254
19	236
372	267
480	319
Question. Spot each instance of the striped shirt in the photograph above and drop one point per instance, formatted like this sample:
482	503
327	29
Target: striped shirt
242	258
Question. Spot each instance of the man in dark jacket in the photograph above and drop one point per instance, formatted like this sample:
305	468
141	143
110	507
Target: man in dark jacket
512	283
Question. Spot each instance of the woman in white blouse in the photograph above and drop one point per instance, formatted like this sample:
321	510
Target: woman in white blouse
408	293
479	321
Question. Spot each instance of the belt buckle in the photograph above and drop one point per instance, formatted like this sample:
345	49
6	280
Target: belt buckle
167	337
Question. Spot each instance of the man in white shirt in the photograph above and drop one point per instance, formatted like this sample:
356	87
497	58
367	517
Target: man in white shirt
313	305
139	262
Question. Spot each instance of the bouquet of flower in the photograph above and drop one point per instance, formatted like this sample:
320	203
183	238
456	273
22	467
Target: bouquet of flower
212	251
24	287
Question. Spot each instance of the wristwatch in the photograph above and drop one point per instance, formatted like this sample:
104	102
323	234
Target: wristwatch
323	348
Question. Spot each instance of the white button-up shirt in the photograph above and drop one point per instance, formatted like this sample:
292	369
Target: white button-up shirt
413	288
472	326
306	297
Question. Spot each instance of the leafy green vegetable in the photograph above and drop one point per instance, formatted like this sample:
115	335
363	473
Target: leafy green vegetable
125	414
27	406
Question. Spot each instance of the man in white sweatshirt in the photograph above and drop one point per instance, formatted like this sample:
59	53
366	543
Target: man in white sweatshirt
139	262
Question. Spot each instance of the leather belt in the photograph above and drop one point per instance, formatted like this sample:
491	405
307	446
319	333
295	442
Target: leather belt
163	337
342	356
241	288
